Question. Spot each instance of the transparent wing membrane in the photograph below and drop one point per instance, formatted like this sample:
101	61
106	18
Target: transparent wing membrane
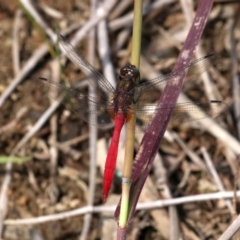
147	90
79	103
144	95
182	112
96	79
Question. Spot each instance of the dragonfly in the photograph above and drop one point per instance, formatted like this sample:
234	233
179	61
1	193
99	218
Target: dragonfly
115	106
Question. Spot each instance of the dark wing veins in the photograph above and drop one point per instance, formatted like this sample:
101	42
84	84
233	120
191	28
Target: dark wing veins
146	92
96	79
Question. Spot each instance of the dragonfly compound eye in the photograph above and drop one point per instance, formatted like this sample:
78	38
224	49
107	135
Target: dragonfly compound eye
124	71
129	70
135	72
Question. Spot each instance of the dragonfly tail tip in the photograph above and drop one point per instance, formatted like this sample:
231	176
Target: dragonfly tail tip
104	198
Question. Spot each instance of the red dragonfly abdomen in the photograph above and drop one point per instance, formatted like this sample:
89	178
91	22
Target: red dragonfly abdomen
112	155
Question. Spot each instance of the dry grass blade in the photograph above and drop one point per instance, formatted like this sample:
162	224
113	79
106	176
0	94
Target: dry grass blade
156	129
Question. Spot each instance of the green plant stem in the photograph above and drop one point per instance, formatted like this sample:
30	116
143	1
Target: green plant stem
130	137
137	33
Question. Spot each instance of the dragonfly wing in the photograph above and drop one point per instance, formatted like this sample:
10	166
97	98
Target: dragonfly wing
149	91
96	79
181	112
79	103
186	112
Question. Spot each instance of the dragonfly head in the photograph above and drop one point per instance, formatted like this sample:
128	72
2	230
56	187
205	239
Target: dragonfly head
129	72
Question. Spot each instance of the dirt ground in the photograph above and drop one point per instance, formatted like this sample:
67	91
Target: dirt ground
55	178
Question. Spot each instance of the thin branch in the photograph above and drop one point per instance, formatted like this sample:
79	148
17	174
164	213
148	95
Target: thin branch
37	17
102	12
92	133
140	206
15	48
231	230
53	189
197	160
235	75
215	176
